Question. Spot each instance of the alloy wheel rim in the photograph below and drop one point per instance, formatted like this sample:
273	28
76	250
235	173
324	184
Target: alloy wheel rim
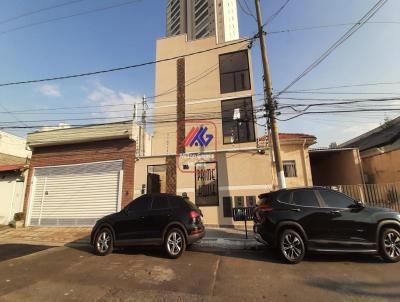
174	243
392	244
103	242
291	246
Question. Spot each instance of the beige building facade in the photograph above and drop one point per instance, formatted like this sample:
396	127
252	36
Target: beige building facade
205	141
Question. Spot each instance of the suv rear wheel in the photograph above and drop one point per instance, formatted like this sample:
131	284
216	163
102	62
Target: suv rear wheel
175	243
389	243
291	246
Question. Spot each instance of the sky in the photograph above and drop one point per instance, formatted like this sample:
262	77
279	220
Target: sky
46	44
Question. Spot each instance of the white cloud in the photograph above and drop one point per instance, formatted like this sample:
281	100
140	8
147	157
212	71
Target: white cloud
50	90
115	105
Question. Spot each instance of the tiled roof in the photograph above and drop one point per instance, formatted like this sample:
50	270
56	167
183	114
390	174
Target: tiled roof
378	137
6	159
11	167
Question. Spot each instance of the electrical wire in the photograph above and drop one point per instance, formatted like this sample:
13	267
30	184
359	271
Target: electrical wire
38	11
289	30
247	11
274	15
335	45
124	67
349	86
68	16
341	111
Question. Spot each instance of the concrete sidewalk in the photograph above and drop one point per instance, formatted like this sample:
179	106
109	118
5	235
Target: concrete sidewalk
53	236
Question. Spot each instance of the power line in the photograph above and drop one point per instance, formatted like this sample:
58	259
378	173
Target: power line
12	114
68	16
332	99
274	15
325	26
124	67
39	11
325	93
339	42
350	102
342	111
349	86
247	11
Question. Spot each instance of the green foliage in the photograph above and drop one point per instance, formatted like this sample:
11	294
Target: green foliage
19	216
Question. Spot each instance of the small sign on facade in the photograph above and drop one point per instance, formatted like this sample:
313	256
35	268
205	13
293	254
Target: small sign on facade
206	175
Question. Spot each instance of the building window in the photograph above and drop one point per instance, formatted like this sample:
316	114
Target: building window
250	201
237	121
289	168
234	72
227	205
156	179
239	201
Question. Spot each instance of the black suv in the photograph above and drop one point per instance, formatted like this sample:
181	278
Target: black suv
321	220
160	219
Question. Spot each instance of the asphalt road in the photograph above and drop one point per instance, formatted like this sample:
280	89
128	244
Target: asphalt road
75	274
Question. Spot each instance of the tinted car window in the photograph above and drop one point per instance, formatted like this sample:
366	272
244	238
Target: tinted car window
305	198
191	205
264	199
160	203
176	203
140	204
285	197
336	200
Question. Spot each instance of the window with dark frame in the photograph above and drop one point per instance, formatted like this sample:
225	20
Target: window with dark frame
250	201
156	179
234	71
289	168
227	206
237	121
239	201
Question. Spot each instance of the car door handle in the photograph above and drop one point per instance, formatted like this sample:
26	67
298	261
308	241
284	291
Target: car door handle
295	210
335	212
141	217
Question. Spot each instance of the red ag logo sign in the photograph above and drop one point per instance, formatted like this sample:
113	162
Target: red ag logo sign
198	137
200	145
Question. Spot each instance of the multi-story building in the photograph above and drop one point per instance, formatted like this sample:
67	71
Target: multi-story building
203	18
205	140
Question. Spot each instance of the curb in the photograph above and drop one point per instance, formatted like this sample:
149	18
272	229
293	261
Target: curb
229	243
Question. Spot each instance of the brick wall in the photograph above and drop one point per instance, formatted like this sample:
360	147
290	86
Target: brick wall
171	174
119	149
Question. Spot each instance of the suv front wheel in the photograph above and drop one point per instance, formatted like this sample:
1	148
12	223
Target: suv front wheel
390	245
104	242
291	246
175	243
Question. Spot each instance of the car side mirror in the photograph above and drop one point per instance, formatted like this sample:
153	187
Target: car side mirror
359	204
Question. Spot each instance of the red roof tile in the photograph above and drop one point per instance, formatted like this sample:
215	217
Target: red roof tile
11	167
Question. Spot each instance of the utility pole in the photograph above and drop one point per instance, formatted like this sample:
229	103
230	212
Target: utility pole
269	102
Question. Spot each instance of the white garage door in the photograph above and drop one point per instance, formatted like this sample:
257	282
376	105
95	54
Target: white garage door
75	195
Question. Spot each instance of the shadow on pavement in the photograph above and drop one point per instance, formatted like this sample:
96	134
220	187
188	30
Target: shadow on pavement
11	251
263	253
387	290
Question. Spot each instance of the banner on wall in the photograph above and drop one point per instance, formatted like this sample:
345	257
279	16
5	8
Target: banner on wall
206	183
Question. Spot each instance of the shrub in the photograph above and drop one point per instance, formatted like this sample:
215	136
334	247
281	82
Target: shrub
19	216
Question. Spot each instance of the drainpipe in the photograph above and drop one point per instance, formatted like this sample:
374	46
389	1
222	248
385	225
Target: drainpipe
305	163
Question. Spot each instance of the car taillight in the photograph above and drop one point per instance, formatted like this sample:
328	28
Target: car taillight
265	208
194	215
